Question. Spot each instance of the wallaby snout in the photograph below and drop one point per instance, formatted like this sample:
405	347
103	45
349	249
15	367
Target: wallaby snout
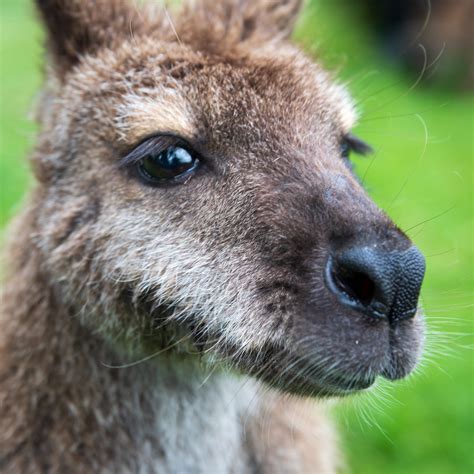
337	281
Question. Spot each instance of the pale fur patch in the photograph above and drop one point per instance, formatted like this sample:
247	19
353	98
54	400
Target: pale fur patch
171	265
157	110
344	104
174	267
339	99
216	404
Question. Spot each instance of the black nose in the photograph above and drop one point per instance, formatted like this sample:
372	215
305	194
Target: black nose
378	283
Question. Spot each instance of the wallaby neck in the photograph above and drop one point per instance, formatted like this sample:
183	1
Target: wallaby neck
65	403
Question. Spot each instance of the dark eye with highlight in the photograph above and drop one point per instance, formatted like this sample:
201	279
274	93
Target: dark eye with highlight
350	143
163	160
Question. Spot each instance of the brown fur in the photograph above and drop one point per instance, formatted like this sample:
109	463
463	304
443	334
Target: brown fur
223	271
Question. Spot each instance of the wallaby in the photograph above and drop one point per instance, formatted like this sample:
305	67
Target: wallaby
197	260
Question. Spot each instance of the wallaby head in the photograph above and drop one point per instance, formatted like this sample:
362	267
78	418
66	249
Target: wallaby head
195	192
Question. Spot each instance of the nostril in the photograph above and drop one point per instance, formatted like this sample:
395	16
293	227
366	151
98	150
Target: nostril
356	285
377	283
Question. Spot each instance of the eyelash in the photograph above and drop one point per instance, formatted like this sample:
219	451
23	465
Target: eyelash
153	145
352	143
162	160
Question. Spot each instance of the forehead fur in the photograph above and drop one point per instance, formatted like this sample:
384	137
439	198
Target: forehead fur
185	91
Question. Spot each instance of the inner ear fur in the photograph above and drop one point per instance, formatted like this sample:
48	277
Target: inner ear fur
79	27
224	23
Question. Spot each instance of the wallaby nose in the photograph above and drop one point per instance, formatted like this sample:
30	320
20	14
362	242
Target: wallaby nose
378	283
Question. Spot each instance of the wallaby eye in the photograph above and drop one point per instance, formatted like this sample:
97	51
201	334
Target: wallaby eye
168	165
162	160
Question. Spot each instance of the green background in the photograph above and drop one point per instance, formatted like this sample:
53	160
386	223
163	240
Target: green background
421	174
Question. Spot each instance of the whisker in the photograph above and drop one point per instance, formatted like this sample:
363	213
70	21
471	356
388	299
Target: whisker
147	358
168	17
411	88
430	219
425	144
424	26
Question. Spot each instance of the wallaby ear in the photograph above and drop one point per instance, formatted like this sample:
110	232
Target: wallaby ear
271	19
78	27
233	21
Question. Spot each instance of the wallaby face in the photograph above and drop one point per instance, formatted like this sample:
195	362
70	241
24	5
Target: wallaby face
196	193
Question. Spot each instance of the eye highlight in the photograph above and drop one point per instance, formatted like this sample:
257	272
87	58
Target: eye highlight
169	164
163	160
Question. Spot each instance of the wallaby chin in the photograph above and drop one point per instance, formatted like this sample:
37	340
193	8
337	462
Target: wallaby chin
197	258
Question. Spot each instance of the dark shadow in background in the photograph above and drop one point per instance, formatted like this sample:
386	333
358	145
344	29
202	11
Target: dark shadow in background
444	28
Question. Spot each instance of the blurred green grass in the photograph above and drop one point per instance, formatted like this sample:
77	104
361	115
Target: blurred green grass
421	175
